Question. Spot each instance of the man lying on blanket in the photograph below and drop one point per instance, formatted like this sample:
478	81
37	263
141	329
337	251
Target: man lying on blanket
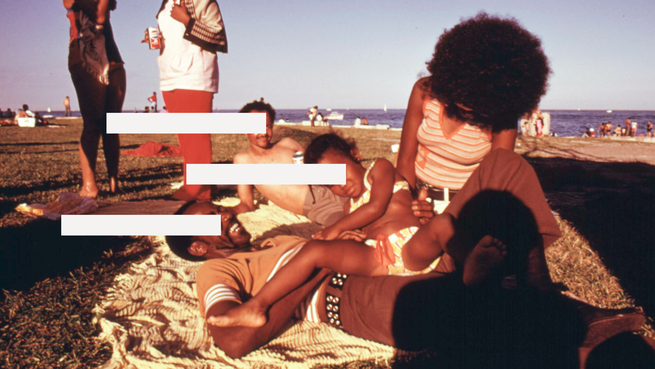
497	320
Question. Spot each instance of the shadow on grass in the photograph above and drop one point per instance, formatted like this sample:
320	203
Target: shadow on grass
37	251
21	144
612	205
12	192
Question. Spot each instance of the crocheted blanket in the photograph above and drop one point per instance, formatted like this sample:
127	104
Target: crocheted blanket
151	317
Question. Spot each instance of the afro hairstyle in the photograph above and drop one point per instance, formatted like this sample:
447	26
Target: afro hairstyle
492	66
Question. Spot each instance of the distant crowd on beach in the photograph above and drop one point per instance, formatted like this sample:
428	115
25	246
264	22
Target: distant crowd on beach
12	118
536	124
630	128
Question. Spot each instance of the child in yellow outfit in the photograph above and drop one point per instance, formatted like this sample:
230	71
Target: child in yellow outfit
368	241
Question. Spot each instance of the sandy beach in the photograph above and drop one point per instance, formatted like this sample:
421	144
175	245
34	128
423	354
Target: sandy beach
602	191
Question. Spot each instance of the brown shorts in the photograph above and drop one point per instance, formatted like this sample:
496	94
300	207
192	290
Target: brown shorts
322	206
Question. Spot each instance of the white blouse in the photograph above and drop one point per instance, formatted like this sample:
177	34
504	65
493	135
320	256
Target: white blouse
183	64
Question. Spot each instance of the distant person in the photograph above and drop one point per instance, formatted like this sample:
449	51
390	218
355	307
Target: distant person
27	111
146	109
540	127
365	121
358	121
608	128
633	128
163	110
625	130
317	203
319	119
153	102
649	129
99	79
9	114
1	114
618	130
194	33
67	106
524	124
601	130
311	114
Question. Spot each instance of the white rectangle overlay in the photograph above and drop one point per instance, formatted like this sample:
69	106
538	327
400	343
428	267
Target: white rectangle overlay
269	174
140	225
173	123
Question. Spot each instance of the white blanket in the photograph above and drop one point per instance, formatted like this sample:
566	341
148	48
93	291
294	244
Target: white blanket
151	316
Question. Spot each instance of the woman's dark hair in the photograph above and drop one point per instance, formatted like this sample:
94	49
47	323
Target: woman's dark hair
179	245
492	66
326	142
259	105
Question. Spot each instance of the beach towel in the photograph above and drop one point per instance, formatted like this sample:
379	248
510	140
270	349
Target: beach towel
156	149
66	203
151	317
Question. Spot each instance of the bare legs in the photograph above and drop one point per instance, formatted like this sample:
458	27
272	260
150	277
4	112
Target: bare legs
347	257
95	101
196	148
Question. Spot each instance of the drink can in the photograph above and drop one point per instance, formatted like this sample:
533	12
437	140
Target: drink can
153	38
298	157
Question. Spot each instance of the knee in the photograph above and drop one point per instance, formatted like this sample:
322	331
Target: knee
91	131
316	250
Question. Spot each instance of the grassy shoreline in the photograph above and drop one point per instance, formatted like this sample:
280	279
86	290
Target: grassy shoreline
52	283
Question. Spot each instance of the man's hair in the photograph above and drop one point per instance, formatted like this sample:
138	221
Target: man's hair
491	65
25	107
326	142
259	105
179	245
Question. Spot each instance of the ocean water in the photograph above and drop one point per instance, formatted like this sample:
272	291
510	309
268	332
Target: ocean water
563	122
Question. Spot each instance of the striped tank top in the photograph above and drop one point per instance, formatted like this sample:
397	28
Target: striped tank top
448	161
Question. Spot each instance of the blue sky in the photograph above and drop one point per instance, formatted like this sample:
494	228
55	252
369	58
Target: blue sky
344	53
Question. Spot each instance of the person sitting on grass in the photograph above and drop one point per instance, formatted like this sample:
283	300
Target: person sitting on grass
315	202
380	206
530	323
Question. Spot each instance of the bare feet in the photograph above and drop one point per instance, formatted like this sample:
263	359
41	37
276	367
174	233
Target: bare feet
89	190
246	315
483	261
114	188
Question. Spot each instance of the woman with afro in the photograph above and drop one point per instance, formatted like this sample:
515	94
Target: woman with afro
486	72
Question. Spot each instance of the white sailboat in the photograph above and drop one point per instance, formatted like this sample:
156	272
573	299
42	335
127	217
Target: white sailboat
385	107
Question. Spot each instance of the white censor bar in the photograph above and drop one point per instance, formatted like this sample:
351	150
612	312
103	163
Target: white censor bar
140	225
159	123
267	174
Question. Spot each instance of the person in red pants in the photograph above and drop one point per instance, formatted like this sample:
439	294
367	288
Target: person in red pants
192	33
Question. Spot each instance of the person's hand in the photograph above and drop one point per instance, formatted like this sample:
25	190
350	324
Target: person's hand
180	14
422	208
328	234
355	235
145	37
69	3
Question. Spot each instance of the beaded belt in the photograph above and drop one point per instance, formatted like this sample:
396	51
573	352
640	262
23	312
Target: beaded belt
332	302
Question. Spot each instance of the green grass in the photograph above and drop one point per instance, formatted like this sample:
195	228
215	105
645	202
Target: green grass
52	283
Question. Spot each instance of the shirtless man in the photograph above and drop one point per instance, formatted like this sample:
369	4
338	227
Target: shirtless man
67	106
317	203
